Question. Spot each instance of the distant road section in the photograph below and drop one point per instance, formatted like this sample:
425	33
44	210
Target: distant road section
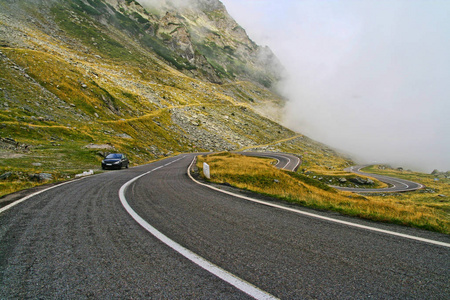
291	162
397	184
285	161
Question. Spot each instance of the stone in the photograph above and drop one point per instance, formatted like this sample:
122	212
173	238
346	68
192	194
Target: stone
41	177
5	175
99	146
357	180
85	173
124	135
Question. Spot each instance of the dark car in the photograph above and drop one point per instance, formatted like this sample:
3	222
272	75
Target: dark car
115	161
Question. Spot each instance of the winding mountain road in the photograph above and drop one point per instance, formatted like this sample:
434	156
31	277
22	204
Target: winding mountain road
291	162
285	161
396	184
79	240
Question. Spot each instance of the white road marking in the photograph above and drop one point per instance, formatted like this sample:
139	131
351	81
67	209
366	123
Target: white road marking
319	216
34	194
288	162
276	155
395	180
298	164
237	282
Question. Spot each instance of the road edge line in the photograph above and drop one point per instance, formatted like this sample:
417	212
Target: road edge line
319	216
226	276
5	208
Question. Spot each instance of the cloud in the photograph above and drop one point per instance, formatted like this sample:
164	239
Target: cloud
367	77
165	5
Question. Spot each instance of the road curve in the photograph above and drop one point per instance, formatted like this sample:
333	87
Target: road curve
78	241
291	162
285	161
397	185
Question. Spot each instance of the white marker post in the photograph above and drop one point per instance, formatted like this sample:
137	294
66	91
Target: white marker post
206	170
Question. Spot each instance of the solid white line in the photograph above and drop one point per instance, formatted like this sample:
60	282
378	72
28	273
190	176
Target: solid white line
278	161
275	155
298	163
34	194
319	216
289	161
394	179
237	282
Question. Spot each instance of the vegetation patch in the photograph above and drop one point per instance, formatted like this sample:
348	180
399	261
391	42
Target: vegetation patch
261	176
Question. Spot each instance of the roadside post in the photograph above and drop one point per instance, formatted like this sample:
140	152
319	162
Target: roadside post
206	170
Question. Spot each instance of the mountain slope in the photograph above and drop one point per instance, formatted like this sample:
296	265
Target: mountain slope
79	78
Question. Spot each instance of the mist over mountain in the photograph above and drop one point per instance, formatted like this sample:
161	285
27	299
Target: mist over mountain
367	77
81	78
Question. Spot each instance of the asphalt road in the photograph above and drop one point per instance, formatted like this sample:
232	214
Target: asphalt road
285	161
396	184
78	241
291	162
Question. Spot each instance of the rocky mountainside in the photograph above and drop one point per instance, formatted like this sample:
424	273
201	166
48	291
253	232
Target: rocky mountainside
203	29
79	78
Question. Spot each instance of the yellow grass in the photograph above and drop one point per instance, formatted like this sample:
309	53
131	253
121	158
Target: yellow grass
271	144
260	175
11	187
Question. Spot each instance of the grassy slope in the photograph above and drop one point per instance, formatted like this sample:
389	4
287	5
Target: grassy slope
91	83
435	196
259	175
94	84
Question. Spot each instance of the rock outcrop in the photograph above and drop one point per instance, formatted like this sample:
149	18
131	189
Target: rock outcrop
146	80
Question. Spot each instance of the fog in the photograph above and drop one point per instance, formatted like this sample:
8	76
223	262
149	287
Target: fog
171	4
369	78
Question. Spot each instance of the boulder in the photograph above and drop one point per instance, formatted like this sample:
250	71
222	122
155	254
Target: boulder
85	173
357	180
41	177
5	175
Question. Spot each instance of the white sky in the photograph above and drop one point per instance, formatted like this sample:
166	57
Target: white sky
368	77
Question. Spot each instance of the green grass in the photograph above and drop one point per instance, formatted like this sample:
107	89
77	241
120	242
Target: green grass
259	175
58	143
89	34
435	195
63	161
61	96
